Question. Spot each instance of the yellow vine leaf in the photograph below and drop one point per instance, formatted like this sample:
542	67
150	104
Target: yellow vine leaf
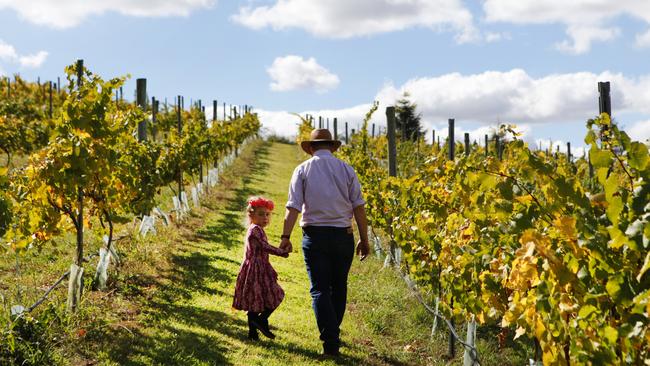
82	134
480	317
550	356
540	329
527	199
567	226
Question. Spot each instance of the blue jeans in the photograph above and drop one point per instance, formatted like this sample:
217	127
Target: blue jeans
328	255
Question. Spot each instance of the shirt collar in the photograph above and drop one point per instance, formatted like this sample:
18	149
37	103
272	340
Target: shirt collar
323	152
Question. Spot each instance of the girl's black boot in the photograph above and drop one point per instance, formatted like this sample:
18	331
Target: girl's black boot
252	330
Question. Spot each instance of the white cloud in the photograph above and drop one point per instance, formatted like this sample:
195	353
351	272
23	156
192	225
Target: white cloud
538	106
556	145
352	115
69	13
286	124
347	19
279	122
33	60
639	131
515	96
587	21
8	54
583	36
491	37
643	39
295	73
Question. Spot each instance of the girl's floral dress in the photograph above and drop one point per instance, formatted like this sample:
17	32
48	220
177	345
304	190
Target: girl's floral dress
257	287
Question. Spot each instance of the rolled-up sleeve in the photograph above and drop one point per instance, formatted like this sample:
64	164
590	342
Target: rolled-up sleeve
355	191
296	194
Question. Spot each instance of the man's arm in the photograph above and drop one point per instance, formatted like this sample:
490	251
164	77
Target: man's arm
293	206
290	217
363	248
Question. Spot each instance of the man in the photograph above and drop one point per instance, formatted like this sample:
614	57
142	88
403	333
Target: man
327	192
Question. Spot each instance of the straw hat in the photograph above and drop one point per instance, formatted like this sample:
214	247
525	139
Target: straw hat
320	135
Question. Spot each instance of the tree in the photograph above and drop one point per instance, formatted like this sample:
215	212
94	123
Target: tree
94	169
76	173
407	120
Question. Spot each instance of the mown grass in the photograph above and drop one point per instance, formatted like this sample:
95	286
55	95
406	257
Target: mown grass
170	304
53	337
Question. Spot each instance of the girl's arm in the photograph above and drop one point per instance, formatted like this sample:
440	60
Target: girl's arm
261	239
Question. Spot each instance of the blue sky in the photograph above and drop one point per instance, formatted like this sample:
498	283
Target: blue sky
531	63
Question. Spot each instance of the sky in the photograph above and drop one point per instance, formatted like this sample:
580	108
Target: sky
535	64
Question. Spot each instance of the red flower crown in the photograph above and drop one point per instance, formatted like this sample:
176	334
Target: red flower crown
255	202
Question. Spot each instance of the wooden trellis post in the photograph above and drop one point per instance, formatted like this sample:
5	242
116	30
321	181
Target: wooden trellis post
392	146
141	92
50	98
604	99
392	163
154	117
75	281
179	127
497	146
450	142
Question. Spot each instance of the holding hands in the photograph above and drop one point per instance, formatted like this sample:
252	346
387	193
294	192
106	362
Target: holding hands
286	245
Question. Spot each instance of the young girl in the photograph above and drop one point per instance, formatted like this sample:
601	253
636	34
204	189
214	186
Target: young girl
257	290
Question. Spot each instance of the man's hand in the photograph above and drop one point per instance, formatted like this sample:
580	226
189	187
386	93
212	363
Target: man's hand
290	217
363	248
286	245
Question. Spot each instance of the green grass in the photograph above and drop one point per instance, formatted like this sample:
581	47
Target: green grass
170	304
190	320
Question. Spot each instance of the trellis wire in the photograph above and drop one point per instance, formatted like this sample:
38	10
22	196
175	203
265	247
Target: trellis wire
23	311
473	352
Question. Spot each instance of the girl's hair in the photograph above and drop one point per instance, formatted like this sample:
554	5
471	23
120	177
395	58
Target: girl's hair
255	202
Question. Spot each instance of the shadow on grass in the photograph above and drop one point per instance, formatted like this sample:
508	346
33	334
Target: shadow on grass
167	343
179	333
228	229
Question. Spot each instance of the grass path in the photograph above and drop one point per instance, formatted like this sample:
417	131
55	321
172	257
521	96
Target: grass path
188	320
